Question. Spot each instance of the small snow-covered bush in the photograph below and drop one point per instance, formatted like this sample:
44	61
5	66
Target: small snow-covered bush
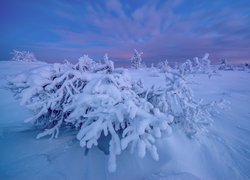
198	66
176	99
186	67
225	66
202	65
164	66
23	56
100	102
136	59
241	67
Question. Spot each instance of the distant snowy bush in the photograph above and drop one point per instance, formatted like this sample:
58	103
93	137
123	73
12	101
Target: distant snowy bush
103	103
164	66
186	68
204	65
241	67
136	60
23	56
224	65
197	66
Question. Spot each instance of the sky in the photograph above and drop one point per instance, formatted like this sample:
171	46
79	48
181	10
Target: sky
173	29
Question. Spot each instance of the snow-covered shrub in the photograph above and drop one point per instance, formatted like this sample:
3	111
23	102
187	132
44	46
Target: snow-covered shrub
86	64
109	64
95	104
201	65
224	65
102	104
136	59
186	67
176	99
164	66
23	56
198	66
110	106
46	92
241	67
204	64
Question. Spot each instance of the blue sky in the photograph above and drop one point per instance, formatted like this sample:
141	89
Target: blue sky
175	30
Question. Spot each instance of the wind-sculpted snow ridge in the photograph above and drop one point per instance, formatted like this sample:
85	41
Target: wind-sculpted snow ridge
105	104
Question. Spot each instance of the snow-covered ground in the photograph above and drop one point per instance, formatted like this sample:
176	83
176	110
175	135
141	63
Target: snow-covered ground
222	153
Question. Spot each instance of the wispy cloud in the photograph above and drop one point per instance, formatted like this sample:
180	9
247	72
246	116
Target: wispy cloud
162	29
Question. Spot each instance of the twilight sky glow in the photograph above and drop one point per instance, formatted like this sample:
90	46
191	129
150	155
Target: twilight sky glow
175	29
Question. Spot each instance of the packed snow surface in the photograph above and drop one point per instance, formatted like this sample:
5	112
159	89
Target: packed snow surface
221	153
